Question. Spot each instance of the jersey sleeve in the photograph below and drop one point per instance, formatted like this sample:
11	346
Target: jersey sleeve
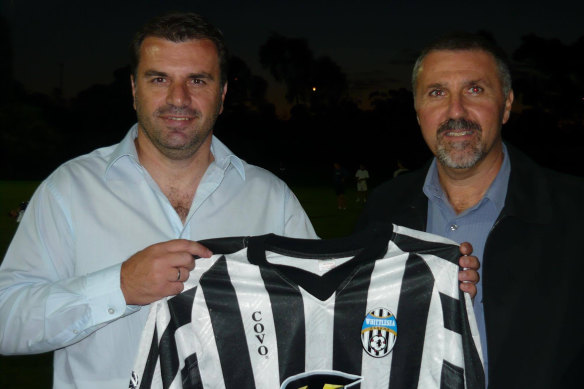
160	360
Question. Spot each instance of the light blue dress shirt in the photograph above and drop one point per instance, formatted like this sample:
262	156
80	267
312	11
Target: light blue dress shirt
472	225
60	279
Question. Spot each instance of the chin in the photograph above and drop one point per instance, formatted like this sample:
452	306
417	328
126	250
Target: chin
457	160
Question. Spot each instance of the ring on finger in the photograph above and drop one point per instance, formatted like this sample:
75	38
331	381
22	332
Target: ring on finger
178	275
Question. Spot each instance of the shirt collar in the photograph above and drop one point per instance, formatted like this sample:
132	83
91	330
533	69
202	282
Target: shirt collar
496	192
225	157
126	149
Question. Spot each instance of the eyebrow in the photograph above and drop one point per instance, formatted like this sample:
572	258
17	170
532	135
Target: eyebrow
154	73
434	85
466	83
205	75
192	76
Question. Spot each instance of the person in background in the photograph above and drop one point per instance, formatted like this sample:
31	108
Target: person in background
362	175
339	176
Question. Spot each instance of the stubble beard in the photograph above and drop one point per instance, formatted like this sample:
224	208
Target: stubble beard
159	135
459	154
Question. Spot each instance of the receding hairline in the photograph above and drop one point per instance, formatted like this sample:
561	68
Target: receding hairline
419	64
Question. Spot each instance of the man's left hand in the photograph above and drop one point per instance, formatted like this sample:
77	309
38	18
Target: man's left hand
469	276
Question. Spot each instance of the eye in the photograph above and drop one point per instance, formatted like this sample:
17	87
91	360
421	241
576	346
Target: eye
198	81
437	93
475	90
158	80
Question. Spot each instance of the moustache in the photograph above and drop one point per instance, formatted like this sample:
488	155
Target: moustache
178	111
458	124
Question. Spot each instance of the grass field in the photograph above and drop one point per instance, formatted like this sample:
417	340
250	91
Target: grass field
35	371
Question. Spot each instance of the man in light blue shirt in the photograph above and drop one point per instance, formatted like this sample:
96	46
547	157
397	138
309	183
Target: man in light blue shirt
112	231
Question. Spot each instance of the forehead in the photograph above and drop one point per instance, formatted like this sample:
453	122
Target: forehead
441	66
156	52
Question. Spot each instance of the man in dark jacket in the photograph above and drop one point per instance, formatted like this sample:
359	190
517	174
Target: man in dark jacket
522	220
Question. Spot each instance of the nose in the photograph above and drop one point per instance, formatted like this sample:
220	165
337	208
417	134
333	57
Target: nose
456	106
178	95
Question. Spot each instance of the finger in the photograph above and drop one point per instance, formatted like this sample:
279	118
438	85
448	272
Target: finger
184	274
189	246
175	274
465	248
470	276
471	289
469	262
178	259
175	288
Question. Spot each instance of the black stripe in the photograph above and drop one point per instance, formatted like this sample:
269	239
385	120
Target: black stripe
411	244
473	368
451	313
191	376
452	377
148	373
180	307
228	326
412	315
350	310
288	314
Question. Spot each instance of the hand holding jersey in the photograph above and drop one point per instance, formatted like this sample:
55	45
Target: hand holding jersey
469	276
159	270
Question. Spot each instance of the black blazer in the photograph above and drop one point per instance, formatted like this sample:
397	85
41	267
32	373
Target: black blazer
533	271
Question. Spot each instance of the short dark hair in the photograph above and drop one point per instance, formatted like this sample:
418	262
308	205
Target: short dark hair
180	27
467	41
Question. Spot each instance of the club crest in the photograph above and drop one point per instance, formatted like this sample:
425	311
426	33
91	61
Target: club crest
379	332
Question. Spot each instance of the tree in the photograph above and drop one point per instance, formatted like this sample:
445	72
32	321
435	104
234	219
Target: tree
290	61
246	90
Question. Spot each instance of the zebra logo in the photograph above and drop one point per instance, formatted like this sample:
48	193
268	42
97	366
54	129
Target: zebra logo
379	332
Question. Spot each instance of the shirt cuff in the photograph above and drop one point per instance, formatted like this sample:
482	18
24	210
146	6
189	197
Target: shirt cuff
105	296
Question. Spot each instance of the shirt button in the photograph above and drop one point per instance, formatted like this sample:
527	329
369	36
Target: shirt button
453	227
111	311
75	332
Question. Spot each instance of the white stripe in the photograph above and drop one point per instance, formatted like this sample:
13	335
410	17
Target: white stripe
319	324
453	345
422	235
208	356
445	274
258	322
434	344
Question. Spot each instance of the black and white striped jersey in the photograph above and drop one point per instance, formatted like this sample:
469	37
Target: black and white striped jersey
381	309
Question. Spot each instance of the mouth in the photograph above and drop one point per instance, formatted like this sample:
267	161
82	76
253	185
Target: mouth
458	133
458	128
177	120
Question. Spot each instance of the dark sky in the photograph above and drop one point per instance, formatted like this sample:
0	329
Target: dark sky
373	41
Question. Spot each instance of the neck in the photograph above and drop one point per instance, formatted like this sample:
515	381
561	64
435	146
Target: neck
466	187
178	179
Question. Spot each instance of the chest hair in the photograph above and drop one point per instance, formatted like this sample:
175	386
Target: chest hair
181	201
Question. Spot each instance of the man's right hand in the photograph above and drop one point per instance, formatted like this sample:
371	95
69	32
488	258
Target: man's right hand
153	273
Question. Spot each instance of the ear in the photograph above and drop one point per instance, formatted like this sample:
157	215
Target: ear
223	93
508	105
133	82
